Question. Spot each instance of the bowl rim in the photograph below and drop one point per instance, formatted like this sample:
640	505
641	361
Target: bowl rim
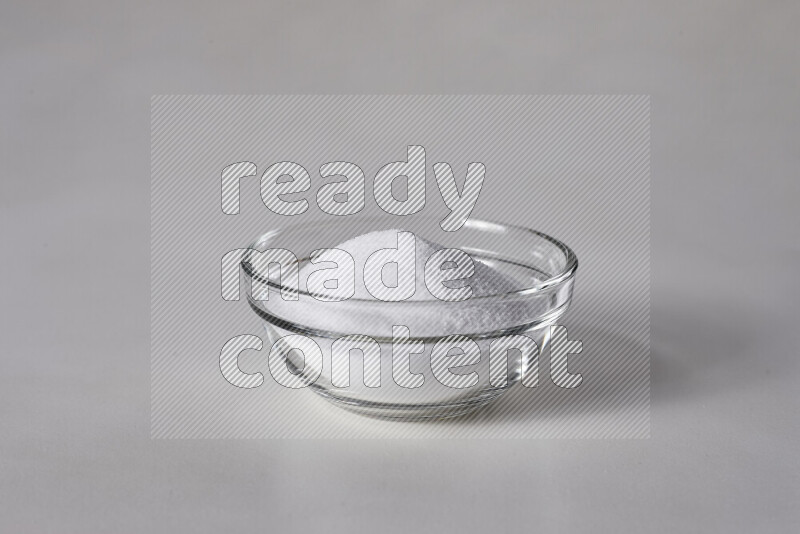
566	273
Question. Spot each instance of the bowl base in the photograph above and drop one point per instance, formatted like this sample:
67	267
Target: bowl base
410	412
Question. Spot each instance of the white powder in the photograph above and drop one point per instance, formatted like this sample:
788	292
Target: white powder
423	314
484	281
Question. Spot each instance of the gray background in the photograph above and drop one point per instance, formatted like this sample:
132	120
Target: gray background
75	453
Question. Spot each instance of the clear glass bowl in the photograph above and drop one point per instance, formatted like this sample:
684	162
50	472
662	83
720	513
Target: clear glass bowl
541	267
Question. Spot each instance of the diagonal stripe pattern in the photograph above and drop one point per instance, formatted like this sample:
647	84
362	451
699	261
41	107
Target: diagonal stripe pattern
575	167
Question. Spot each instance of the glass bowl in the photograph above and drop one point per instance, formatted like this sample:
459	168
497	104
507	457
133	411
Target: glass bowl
383	379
